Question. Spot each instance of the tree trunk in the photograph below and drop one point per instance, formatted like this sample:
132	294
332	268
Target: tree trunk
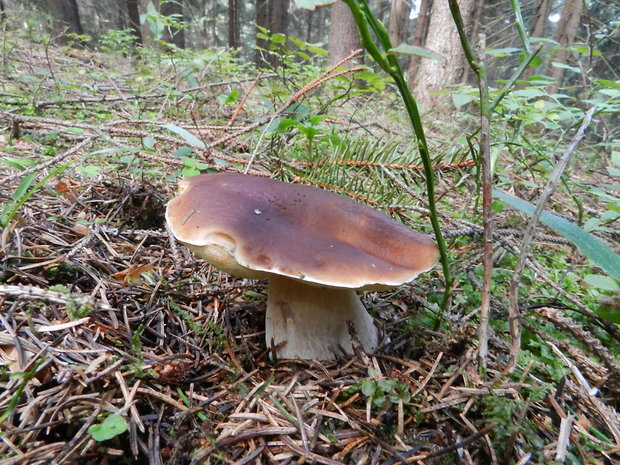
234	33
443	39
66	19
319	30
133	12
262	20
421	27
343	35
540	18
398	20
564	36
174	36
279	16
309	25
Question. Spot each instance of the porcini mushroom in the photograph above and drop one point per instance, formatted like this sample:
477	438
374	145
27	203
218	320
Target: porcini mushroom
315	247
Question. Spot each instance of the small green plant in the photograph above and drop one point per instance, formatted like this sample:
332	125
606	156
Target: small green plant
158	24
187	318
26	377
379	390
109	428
74	308
120	41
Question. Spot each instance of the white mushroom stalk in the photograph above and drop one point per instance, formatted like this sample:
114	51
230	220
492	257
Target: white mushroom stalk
315	247
311	322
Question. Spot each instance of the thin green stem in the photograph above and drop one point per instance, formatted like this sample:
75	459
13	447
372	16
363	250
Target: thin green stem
460	27
364	18
525	40
517	74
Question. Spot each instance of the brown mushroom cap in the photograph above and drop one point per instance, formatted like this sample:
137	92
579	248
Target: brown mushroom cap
249	225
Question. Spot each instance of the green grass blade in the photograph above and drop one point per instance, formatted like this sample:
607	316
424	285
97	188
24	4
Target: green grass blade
591	247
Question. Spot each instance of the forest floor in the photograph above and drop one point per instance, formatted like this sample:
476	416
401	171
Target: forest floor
118	346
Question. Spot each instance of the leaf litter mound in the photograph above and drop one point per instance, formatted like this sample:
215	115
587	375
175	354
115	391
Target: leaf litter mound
117	346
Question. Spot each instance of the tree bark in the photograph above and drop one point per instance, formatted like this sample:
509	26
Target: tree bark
398	20
343	35
540	18
565	36
421	27
443	39
234	34
133	13
262	20
174	36
66	19
279	16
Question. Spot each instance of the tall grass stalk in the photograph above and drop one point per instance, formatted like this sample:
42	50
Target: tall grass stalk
367	21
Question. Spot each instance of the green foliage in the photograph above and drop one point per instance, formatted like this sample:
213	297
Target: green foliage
289	51
378	391
75	310
187	318
109	428
200	415
119	41
591	247
25	379
158	24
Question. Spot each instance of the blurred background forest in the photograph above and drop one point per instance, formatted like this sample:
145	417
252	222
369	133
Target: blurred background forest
579	38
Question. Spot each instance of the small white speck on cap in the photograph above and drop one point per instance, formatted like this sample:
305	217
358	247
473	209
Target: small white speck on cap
257	211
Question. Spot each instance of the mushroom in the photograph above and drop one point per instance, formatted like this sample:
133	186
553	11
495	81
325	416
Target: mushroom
315	247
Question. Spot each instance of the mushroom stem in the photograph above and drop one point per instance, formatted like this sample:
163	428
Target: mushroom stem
311	321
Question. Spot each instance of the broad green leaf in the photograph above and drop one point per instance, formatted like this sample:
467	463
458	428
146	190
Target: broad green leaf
11	207
278	38
529	92
109	428
297	111
502	52
189	171
574	69
230	98
318	50
590	246
148	142
609	314
298	43
191	79
602	282
90	171
113	150
369	387
185	134
312	4
17	163
406	49
462	99
182	151
286	123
